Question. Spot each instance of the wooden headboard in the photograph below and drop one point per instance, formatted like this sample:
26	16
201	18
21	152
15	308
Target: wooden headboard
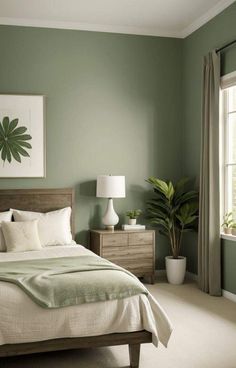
38	200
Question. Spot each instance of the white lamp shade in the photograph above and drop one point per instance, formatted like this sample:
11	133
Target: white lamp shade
109	186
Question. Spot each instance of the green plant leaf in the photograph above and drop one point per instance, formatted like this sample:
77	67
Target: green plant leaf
12	125
159	195
162	206
18	131
20	149
186	220
5	124
185	197
160	222
159	185
8	152
12	140
15	154
174	209
4	153
24	137
158	203
171	191
133	214
180	187
155	213
24	144
2	134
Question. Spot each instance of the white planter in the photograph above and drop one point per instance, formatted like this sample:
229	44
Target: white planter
132	221
234	232
227	230
175	270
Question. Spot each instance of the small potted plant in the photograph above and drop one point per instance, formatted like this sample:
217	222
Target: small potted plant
133	215
227	223
233	229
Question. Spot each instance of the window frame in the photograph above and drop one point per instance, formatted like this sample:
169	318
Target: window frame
227	81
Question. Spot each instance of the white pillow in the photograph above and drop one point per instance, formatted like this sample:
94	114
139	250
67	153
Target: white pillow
21	236
4	216
53	227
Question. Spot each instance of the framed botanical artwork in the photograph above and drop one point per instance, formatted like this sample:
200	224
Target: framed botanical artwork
22	136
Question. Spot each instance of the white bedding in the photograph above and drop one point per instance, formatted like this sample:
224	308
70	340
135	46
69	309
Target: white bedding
22	320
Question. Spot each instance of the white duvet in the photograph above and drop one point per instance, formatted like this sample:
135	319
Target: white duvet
22	320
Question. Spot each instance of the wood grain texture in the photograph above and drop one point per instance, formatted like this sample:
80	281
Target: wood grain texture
132	250
95	240
115	239
133	338
141	238
44	200
134	354
38	200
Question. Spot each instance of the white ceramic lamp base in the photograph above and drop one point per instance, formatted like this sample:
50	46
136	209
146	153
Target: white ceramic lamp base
110	219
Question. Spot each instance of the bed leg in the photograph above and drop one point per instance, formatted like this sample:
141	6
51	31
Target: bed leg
134	352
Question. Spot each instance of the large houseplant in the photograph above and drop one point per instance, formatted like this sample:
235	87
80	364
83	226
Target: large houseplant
175	211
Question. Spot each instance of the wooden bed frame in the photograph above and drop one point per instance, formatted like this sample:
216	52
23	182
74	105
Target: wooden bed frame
44	200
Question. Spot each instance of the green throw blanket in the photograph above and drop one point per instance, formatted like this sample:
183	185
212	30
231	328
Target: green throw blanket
61	282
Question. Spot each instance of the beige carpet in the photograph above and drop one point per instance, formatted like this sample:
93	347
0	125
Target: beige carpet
204	336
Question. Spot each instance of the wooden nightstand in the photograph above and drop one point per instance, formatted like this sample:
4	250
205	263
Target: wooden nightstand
133	250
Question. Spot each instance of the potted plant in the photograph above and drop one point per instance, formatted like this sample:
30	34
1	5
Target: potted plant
175	211
227	223
133	215
233	230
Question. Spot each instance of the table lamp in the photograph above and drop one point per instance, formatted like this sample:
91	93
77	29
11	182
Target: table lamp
109	186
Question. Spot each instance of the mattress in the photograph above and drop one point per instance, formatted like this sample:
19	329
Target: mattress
22	320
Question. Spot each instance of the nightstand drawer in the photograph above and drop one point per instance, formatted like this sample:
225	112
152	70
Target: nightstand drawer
115	239
141	238
134	252
137	267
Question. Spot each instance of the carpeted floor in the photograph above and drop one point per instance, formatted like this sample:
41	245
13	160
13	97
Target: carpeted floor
204	336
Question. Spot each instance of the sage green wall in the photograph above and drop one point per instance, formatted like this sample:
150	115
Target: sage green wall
228	265
113	105
215	33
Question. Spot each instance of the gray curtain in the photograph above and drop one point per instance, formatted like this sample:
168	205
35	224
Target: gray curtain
209	260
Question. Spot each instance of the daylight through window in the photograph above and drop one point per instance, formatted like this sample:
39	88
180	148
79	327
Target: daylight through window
228	151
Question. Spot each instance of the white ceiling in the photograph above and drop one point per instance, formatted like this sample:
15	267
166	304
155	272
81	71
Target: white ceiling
168	18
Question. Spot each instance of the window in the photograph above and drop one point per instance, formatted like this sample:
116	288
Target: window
228	144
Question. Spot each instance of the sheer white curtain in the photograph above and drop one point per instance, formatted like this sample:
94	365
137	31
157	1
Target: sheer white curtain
209	248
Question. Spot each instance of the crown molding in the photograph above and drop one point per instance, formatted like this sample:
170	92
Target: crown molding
25	22
215	10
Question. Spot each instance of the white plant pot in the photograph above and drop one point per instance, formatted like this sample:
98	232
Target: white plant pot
132	221
233	232
227	230
175	269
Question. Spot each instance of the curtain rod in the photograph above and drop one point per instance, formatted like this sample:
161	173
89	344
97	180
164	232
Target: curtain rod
226	46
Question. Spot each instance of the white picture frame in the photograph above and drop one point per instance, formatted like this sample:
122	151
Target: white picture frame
22	136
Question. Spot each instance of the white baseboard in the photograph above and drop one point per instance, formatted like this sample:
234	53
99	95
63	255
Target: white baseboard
194	277
229	295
